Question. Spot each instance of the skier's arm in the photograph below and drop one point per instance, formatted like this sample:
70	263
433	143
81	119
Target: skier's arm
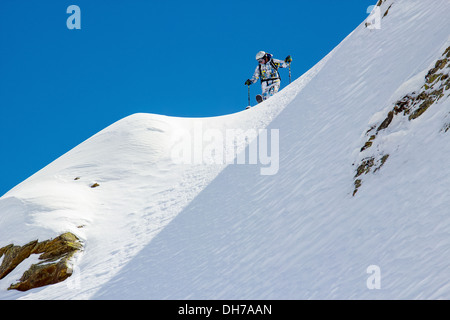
280	63
255	75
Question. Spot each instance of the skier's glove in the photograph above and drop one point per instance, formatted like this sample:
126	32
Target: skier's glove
288	59
248	82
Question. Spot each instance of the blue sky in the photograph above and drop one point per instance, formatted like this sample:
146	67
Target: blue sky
58	86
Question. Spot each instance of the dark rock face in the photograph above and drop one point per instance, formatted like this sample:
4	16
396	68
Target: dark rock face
413	105
55	255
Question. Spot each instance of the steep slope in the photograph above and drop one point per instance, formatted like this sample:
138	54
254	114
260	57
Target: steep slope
154	229
121	187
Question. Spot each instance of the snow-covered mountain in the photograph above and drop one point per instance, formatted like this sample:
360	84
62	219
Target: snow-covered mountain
344	193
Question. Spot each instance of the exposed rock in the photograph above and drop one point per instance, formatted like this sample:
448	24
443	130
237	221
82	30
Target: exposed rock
357	183
382	161
368	144
14	255
428	100
447	52
366	166
447	127
386	121
387	11
413	105
436	81
54	268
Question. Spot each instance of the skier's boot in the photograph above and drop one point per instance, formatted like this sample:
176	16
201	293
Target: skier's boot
259	98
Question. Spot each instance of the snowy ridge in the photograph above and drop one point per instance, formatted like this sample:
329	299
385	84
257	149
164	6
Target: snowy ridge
140	188
154	229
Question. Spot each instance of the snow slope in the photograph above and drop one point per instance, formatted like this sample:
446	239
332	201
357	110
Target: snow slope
155	229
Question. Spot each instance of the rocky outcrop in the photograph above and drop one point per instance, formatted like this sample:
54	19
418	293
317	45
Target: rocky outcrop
369	164
378	7
413	105
446	127
54	267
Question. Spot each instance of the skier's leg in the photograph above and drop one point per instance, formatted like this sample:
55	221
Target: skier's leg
276	86
266	91
272	88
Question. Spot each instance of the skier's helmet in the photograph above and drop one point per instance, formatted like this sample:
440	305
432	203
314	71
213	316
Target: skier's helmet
260	55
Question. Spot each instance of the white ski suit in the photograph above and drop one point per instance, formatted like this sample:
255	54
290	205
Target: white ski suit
270	78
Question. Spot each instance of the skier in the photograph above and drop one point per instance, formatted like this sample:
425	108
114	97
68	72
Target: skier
267	70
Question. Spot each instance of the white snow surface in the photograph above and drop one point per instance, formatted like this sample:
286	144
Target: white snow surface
155	229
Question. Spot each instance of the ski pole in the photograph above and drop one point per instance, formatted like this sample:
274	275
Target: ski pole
289	73
248	94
